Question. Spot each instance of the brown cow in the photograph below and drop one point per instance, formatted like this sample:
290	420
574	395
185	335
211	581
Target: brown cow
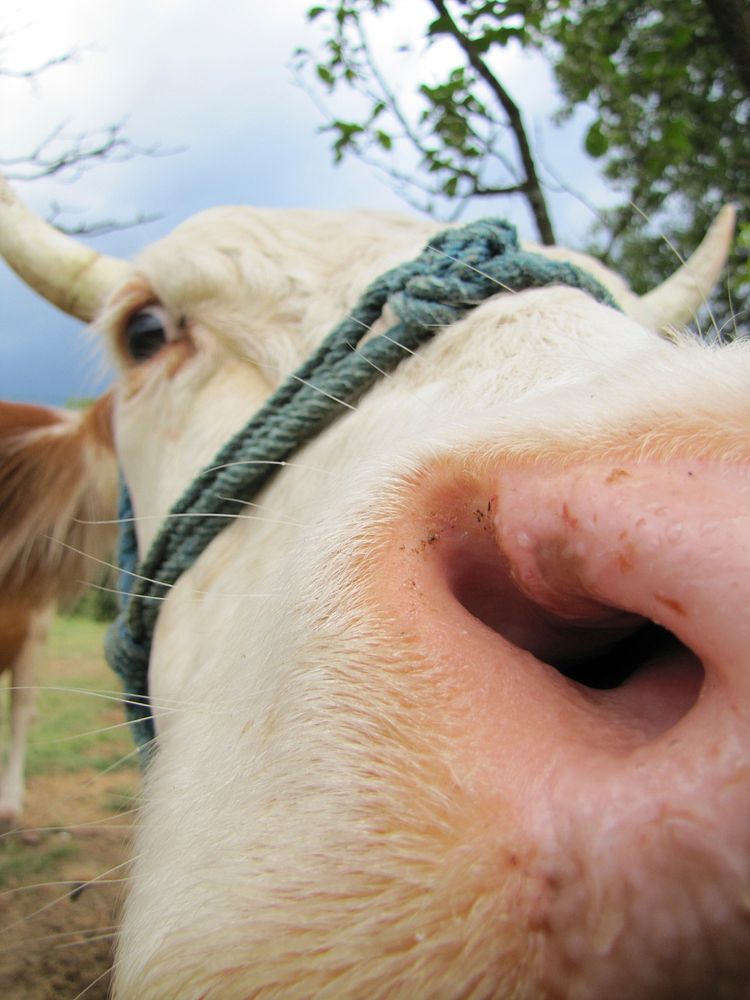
57	470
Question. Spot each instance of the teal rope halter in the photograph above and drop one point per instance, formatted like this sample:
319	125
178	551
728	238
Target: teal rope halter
456	271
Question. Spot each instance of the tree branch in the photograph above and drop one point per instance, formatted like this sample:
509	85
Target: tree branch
531	187
101	227
34	72
80	152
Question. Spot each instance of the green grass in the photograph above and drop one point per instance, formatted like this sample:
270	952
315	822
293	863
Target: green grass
18	864
74	637
72	735
122	800
73	730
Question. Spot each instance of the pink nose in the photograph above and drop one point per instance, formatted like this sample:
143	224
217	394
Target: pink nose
608	553
591	624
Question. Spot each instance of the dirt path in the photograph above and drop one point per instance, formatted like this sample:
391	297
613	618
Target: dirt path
56	929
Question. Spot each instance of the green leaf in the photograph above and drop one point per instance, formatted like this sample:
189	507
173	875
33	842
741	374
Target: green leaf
676	137
343	12
440	26
450	186
595	143
497	36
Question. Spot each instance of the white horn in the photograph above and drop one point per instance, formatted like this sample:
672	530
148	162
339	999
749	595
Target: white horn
676	300
68	274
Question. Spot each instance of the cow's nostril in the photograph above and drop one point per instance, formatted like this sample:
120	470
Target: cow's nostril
620	659
623	661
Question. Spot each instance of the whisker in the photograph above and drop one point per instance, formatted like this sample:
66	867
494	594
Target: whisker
356	350
391	340
360	322
107	695
260	594
94	937
59	899
662	236
414	354
116	696
235	517
93	732
384	373
250	517
246	503
166	517
161	583
335	399
283	464
105	823
731	321
108	931
734	314
120	760
192	593
98	979
127	593
103	562
45	885
679	257
109	520
464	263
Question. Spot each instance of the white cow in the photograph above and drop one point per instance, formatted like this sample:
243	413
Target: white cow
461	708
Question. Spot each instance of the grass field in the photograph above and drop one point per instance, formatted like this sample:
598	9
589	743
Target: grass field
76	731
57	914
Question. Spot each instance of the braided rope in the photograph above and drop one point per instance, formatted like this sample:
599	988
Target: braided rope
456	271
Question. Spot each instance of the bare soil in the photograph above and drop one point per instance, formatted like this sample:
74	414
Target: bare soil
57	931
59	888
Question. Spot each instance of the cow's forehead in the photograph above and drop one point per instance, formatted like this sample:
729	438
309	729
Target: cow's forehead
311	247
307	253
262	275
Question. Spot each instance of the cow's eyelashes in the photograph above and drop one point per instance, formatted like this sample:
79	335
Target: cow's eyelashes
148	330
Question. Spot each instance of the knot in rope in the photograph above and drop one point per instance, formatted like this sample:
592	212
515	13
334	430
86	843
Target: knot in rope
456	271
462	267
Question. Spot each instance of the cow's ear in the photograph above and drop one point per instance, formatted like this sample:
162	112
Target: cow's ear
58	477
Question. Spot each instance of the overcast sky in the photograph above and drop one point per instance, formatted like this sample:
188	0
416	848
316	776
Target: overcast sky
211	78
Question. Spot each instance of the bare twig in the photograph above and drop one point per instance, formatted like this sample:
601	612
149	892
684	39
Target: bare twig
67	155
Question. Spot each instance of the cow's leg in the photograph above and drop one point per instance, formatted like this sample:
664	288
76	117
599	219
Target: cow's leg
23	696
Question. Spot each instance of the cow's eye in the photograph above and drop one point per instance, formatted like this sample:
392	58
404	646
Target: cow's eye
147	331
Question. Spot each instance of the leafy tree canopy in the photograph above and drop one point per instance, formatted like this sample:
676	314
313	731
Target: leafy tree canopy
672	117
668	82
